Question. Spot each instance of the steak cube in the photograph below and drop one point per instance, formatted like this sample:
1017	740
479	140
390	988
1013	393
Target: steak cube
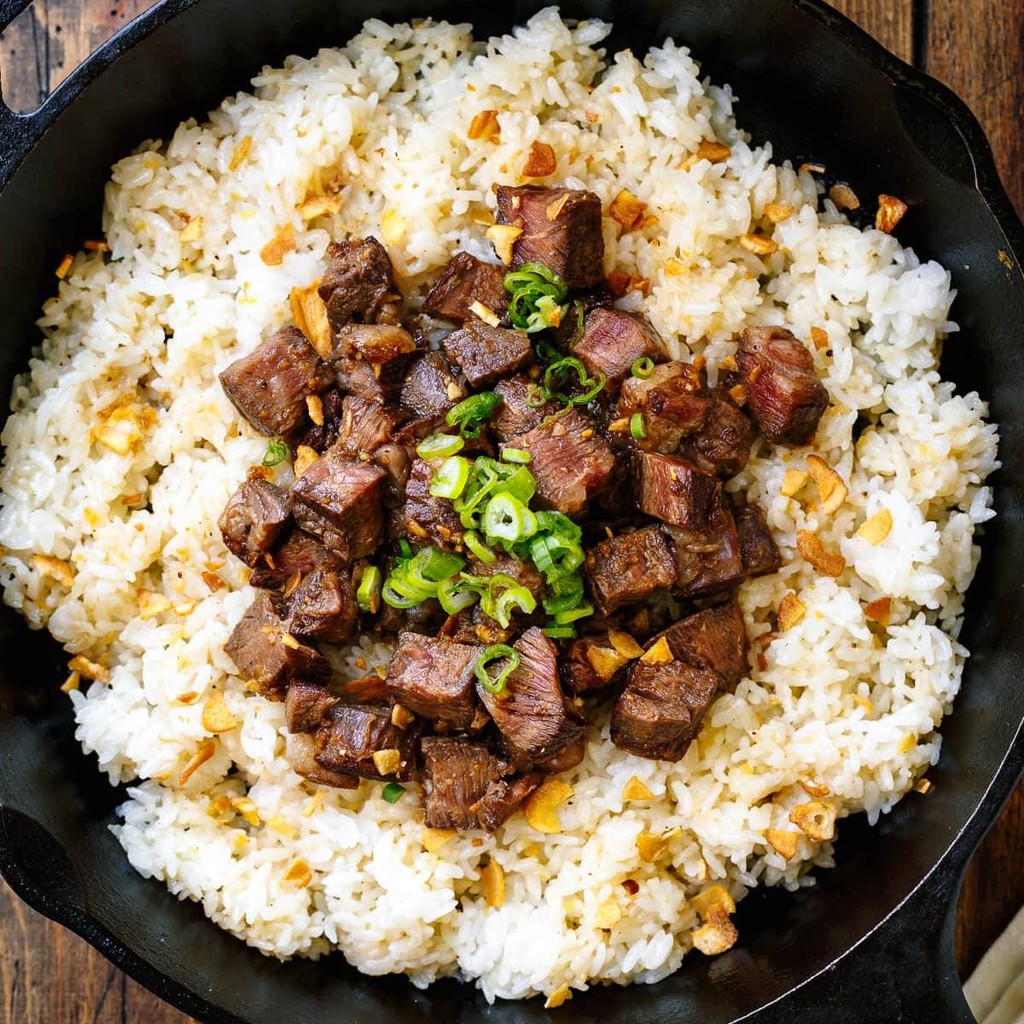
269	387
669	402
341	501
722	444
374	343
357	281
627	567
434	678
324	607
758	550
485	353
431	388
300	553
365	426
561	229
320	436
306	705
569	459
426	518
659	712
253	519
714	639
783	389
590	664
464	281
503	798
613	340
352	733
675	491
458	774
302	756
516	415
381	383
267	655
707	563
534	717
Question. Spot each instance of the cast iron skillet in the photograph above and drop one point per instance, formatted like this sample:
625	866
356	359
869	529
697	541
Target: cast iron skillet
872	941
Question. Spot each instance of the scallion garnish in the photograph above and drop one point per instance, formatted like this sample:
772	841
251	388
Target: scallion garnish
506	518
517	455
453	598
537	297
557	632
368	594
556	376
277	452
449	479
642	367
637	427
440	446
472	541
471	413
392	792
496	652
415	578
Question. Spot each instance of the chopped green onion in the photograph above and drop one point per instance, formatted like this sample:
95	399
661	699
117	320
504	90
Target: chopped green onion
472	541
469	415
368	594
581	612
538	297
453	599
557	632
404	548
449	479
513	598
416	579
507	518
557	374
392	792
637	427
642	367
438	565
395	599
496	652
277	452
566	594
536	397
545	351
516	455
440	446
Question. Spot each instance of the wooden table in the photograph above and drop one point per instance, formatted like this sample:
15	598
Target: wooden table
48	975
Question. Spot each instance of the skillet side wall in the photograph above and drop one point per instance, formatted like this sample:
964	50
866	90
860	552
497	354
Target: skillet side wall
799	86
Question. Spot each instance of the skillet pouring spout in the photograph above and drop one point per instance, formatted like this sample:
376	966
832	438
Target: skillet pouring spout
871	941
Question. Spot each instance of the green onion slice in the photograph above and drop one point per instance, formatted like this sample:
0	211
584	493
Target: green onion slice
472	541
566	594
637	427
453	598
557	632
642	367
471	413
538	297
572	614
507	518
440	446
496	684
518	455
556	376
277	452
395	599
368	594
392	792
449	479
512	599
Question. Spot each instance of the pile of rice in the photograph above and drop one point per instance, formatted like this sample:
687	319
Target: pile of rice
123	450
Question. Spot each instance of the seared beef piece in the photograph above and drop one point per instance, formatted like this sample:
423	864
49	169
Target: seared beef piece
758	550
669	401
713	639
365	690
526	574
473	626
394	459
253	519
352	733
302	756
341	501
360	378
357	280
259	650
306	705
613	339
269	387
365	426
722	445
589	663
515	415
568	756
324	607
660	709
464	281
570	461
431	389
425	618
627	567
426	518
374	343
535	718
561	229
783	389
707	563
320	437
503	798
485	353
676	491
458	774
300	553
434	678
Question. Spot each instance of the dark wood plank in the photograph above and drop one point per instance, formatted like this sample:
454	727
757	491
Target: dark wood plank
891	22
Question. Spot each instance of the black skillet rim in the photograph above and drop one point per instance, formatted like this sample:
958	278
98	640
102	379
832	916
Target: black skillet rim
20	132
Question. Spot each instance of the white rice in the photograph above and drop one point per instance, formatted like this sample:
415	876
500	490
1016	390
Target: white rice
837	702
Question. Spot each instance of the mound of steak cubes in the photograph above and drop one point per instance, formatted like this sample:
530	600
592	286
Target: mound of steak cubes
504	613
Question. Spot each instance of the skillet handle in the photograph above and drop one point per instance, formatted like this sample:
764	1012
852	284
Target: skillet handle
15	129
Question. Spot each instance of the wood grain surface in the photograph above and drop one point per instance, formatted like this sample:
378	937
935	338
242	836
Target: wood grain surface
48	975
